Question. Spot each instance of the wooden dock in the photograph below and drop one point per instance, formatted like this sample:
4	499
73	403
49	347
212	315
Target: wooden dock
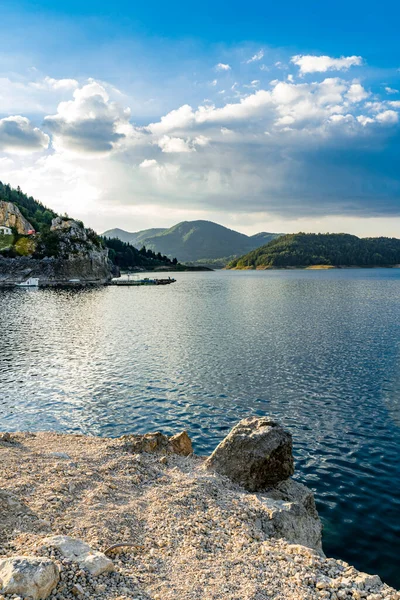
145	281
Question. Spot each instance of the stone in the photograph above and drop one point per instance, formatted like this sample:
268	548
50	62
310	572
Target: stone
367	582
78	551
159	443
181	444
77	590
149	442
290	513
256	454
63	455
30	576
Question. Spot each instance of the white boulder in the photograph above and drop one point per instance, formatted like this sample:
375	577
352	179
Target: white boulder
78	551
28	576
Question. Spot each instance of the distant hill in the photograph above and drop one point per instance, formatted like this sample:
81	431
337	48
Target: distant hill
329	249
136	238
195	241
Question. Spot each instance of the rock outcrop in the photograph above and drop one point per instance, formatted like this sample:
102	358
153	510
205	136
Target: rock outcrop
11	216
28	576
80	258
256	454
291	514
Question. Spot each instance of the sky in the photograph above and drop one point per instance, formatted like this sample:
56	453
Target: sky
262	117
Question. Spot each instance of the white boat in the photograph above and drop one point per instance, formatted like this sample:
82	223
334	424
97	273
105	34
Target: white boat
31	282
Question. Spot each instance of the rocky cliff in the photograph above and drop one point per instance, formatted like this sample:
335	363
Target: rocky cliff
11	216
78	256
93	269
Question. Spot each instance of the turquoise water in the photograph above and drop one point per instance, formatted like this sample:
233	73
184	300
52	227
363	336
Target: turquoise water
318	350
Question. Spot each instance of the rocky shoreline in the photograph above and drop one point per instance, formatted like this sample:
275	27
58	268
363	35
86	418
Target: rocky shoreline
143	518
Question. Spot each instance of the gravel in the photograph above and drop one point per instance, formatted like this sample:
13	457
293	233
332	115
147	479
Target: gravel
191	533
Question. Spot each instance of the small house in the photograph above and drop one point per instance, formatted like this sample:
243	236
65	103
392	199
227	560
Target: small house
5	230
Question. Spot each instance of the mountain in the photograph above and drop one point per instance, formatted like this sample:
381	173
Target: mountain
325	249
195	241
136	239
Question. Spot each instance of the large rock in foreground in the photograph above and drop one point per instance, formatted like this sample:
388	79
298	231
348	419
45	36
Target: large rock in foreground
256	454
28	576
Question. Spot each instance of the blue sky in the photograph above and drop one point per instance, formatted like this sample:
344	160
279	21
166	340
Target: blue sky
279	116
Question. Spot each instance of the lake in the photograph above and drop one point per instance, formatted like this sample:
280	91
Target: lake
318	350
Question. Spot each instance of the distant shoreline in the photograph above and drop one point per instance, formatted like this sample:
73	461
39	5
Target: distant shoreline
311	268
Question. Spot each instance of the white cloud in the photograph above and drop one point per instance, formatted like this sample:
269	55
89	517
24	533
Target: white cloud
18	135
390	90
174	145
222	67
320	64
357	93
201	140
365	120
176	119
256	57
48	83
90	123
388	117
148	163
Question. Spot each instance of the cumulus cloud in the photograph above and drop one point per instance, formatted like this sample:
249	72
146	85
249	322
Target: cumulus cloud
49	83
388	116
90	122
357	93
222	67
292	148
17	134
174	145
390	90
320	64
256	57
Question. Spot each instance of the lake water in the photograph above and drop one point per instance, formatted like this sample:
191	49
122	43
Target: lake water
318	350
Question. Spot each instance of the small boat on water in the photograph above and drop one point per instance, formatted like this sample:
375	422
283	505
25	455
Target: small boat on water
132	281
31	282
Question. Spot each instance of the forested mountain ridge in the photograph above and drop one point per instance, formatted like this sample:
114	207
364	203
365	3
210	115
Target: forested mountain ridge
195	241
328	249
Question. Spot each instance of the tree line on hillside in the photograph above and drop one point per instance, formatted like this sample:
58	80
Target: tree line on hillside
126	256
336	249
35	212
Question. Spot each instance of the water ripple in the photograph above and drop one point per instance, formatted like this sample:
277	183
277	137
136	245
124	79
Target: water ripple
317	350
